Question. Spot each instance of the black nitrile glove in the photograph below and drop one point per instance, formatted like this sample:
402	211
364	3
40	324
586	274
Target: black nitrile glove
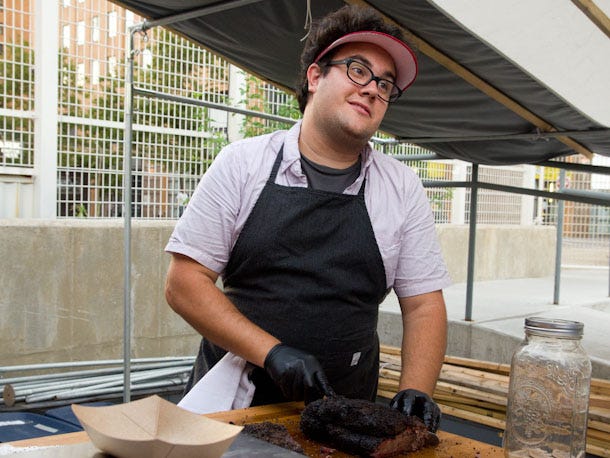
298	374
414	402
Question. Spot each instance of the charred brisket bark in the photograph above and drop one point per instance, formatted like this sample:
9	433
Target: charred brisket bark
274	434
364	428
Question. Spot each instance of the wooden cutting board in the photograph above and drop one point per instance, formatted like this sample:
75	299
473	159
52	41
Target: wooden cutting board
288	414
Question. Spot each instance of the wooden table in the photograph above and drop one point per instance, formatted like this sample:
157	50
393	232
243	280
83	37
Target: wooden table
288	414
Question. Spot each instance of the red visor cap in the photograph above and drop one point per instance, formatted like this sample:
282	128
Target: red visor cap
404	58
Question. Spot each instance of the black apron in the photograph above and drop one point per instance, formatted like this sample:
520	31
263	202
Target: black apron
307	269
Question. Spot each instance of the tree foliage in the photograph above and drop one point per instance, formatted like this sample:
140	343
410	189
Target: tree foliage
255	97
90	153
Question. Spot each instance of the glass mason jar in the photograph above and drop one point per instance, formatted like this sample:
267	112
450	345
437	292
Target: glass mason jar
548	394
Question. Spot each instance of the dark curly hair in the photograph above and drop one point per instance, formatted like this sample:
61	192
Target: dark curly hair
347	19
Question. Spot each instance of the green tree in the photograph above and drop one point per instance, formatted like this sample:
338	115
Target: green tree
176	69
256	97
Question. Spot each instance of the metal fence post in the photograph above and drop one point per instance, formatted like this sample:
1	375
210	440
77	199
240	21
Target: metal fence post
127	219
474	189
559	241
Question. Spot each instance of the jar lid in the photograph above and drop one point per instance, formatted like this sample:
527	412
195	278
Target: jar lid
554	326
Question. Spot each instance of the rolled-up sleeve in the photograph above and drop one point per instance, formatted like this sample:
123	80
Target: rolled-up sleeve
205	230
404	228
421	267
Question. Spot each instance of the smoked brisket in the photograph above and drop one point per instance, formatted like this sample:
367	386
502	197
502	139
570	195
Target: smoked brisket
274	434
364	428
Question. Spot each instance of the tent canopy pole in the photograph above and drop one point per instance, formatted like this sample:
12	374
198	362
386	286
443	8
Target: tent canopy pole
127	140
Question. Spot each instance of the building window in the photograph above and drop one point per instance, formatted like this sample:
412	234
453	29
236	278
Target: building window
80	33
95	29
65	36
129	20
112	66
65	79
67	2
112	24
147	59
80	75
95	72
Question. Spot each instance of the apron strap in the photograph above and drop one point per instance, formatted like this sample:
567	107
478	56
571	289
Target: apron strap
276	165
361	191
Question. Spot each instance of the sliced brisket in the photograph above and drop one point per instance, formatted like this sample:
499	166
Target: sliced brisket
274	434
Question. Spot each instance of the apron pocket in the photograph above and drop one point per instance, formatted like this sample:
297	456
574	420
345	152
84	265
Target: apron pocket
353	373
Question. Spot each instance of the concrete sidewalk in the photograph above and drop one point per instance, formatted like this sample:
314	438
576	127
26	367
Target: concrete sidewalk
500	307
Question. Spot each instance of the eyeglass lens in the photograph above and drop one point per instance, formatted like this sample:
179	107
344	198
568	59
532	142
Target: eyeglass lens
362	75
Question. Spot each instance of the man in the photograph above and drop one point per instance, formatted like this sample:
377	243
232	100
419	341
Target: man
310	228
182	198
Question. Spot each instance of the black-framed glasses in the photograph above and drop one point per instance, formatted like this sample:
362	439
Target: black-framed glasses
363	75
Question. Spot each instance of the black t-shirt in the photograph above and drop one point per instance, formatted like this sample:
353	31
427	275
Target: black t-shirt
329	179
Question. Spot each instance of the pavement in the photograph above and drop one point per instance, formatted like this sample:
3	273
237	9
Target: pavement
500	307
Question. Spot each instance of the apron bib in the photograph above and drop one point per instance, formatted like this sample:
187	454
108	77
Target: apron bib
307	269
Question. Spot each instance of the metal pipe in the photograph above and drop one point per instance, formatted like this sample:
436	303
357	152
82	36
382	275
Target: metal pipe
197	12
117	389
102	362
32	387
602	170
577	167
24	383
91	398
65	395
574	195
102	382
135	378
472	232
40	378
127	188
585	196
532	136
51	392
63	384
217	106
446	184
559	239
417	157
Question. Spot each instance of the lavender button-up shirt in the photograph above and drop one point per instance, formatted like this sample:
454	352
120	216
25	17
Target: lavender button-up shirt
395	199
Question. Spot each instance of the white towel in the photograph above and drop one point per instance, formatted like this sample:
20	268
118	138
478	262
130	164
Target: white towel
226	386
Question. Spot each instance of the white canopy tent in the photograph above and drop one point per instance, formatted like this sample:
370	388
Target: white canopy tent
554	42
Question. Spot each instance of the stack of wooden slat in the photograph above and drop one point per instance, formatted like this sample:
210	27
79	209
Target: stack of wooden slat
477	391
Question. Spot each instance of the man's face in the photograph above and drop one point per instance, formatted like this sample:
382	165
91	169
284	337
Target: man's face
342	107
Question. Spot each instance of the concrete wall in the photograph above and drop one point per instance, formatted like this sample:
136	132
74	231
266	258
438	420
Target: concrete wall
501	251
61	293
61	284
478	341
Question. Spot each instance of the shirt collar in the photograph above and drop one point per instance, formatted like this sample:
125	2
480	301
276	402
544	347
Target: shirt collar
292	153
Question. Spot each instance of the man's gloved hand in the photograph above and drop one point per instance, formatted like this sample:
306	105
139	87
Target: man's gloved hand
298	374
414	402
